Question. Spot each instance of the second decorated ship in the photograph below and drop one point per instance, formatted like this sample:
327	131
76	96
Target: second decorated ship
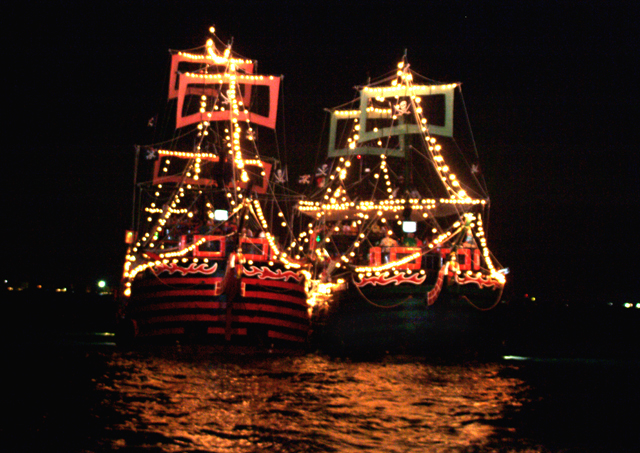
397	224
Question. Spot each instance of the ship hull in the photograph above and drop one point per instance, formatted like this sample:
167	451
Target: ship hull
398	318
261	308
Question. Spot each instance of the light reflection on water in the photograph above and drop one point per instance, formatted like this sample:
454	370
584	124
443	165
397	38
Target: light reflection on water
81	397
309	403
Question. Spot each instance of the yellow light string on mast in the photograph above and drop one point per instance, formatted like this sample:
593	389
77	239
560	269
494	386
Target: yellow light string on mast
486	254
281	255
448	178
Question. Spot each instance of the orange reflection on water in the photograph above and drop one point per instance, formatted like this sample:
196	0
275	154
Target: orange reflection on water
301	404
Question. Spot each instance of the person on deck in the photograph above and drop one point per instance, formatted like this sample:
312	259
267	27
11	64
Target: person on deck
409	240
386	243
468	240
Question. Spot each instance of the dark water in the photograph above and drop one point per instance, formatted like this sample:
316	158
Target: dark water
81	394
67	391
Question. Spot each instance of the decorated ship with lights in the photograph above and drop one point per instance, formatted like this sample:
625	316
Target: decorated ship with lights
204	264
396	225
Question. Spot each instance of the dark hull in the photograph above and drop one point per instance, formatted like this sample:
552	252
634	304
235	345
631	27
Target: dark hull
260	308
397	318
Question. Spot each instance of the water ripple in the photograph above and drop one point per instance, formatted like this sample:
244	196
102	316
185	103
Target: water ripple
311	403
103	400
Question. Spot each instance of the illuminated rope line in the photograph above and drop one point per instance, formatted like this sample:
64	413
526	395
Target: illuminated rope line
406	81
390	265
164	257
282	256
485	252
185	250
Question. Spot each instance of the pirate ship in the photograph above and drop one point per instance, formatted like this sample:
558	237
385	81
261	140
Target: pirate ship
397	223
204	262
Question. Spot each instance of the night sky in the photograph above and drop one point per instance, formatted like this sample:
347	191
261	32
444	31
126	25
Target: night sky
550	86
